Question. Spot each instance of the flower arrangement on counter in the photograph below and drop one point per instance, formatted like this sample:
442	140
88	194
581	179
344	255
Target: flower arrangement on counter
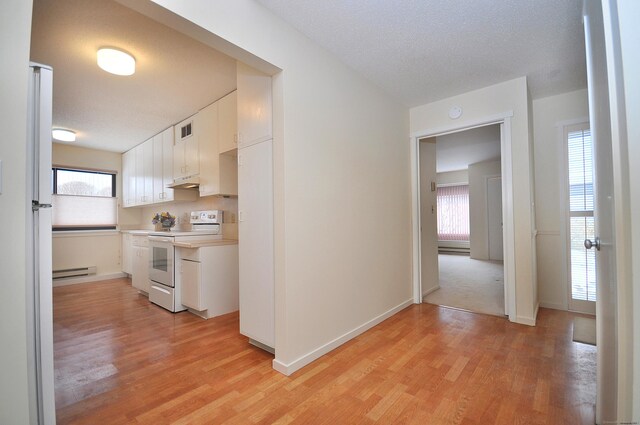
165	219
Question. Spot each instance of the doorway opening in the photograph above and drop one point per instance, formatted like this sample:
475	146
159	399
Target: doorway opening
461	220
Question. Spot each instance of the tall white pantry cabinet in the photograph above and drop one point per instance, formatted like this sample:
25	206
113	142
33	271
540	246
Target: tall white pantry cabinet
255	207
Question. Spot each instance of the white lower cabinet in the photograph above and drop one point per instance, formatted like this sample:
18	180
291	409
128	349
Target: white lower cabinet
192	285
127	253
140	275
208	278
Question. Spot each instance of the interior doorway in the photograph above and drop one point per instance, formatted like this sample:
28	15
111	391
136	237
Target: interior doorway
461	233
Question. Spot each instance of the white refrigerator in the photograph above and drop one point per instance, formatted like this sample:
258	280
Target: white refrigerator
39	284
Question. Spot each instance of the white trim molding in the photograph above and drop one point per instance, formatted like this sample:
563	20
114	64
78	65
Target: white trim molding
504	120
289	368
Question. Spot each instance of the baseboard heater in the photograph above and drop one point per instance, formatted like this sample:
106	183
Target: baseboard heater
80	271
451	250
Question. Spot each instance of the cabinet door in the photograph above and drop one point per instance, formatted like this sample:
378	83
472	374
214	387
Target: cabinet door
254	106
206	123
255	233
147	174
128	178
140	278
228	122
191	285
127	254
192	156
158	156
139	154
167	164
185	149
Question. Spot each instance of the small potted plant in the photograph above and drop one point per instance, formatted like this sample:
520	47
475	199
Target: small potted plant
164	221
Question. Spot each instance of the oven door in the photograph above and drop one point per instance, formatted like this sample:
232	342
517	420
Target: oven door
161	260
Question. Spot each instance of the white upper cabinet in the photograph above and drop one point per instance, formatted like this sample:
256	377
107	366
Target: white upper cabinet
228	123
207	123
254	106
186	149
163	166
129	178
147	173
167	164
218	173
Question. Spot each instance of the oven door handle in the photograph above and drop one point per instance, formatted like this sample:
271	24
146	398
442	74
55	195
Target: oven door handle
160	239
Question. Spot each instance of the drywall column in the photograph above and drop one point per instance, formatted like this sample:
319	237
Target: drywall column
15	21
482	105
478	218
339	142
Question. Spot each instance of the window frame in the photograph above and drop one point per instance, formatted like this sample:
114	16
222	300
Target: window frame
564	128
54	174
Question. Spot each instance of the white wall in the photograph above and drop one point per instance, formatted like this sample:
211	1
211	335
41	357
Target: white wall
100	249
428	218
15	21
182	209
478	207
548	115
510	96
452	177
339	144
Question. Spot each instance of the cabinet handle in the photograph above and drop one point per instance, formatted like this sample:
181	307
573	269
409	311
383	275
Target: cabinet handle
235	138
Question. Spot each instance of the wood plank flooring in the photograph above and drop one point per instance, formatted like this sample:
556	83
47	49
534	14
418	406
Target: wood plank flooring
121	360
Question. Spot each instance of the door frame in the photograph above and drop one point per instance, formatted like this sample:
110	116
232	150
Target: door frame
508	234
584	307
486	188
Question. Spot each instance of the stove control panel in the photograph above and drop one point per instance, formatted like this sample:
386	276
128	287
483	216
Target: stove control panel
207	217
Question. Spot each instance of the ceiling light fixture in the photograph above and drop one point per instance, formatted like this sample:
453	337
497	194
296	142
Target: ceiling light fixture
63	135
116	61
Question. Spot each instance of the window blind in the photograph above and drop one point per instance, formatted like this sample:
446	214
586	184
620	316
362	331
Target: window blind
581	220
453	213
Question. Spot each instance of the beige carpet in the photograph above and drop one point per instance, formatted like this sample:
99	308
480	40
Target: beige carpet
473	285
584	330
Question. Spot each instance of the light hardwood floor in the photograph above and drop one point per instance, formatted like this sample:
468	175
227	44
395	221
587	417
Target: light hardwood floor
121	360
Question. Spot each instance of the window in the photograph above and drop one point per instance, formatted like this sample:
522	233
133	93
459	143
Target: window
83	199
581	221
453	213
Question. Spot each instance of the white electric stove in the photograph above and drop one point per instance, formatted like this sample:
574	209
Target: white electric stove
163	291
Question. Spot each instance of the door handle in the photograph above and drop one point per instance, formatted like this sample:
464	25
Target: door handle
588	243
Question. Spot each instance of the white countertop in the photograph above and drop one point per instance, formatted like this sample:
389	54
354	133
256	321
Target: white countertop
203	244
137	232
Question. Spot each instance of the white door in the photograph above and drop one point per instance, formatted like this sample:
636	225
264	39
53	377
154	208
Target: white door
429	274
494	216
603	243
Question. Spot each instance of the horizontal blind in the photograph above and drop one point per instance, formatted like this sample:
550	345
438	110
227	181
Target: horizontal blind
582	224
453	213
83	211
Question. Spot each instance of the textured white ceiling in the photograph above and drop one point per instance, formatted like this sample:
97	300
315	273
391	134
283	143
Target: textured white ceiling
175	75
425	50
456	151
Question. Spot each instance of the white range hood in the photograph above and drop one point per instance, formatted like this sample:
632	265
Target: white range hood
192	182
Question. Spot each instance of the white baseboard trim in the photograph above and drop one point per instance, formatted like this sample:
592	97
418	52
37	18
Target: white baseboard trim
554	306
288	369
427	292
530	321
87	279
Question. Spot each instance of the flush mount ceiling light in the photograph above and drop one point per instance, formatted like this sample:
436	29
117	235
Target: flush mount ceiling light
63	135
116	61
